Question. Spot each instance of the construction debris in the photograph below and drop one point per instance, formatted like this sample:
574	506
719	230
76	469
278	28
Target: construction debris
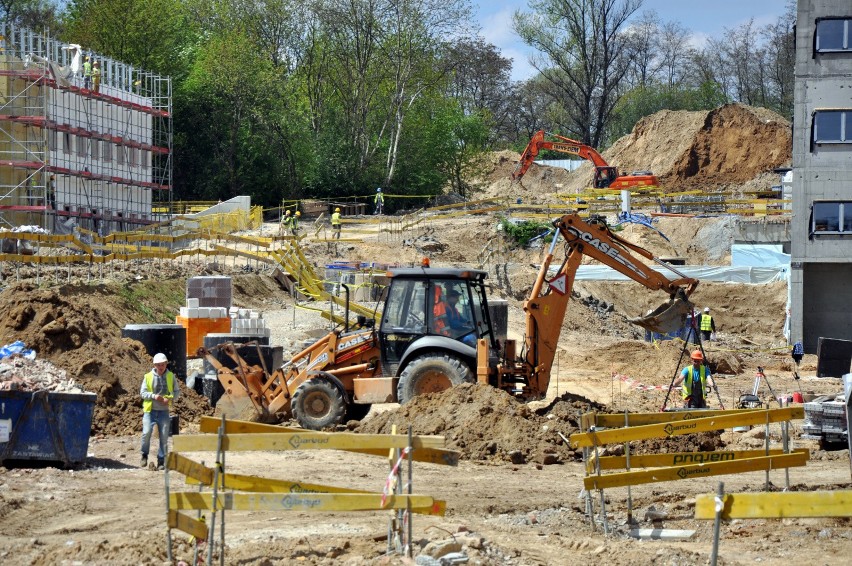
18	373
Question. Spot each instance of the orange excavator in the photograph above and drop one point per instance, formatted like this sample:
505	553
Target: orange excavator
417	348
606	176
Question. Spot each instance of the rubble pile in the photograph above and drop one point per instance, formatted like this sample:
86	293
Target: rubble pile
18	373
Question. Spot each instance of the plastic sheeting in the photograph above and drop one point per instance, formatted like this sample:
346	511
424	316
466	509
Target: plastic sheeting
721	274
758	255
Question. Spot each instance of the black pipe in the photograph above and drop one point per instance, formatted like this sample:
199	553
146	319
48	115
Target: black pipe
346	321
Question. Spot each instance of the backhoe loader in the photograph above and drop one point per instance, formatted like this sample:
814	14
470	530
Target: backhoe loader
418	347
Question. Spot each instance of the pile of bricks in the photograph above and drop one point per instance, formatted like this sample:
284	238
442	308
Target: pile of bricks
21	374
248	322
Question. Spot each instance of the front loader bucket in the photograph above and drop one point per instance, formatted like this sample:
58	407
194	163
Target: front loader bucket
666	318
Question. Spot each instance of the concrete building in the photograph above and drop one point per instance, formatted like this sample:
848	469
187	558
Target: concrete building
92	152
821	249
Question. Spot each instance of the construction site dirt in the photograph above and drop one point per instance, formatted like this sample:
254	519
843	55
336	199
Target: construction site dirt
515	496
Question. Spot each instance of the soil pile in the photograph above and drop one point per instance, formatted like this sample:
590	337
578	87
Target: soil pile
79	330
484	423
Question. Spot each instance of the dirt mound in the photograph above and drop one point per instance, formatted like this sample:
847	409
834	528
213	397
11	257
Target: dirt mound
484	423
735	144
79	330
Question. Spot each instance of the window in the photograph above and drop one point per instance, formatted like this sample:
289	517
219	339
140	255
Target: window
146	159
66	142
119	155
832	126
106	151
407	312
134	156
833	34
833	217
94	148
81	146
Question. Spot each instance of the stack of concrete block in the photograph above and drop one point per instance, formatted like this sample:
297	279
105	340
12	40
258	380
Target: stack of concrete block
211	291
248	322
193	309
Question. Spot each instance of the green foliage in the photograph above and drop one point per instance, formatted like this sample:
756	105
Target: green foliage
524	231
156	35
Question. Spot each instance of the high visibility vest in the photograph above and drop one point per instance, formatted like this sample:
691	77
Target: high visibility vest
87	69
379	198
706	322
148	404
690	375
335	219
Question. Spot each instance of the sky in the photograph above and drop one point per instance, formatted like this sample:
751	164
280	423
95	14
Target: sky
704	18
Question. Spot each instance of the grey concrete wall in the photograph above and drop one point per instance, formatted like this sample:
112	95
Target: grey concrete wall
827	303
762	231
820	172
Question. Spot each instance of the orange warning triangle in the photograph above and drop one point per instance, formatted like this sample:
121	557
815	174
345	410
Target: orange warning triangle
558	284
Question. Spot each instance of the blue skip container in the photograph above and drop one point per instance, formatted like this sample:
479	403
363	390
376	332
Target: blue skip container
45	426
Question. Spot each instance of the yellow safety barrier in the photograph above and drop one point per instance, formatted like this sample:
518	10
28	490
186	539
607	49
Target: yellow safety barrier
664	430
240	492
776	505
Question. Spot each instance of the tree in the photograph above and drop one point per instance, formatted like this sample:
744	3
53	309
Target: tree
584	57
642	48
152	34
480	81
37	15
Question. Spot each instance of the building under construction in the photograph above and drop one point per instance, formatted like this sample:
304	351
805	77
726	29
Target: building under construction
93	152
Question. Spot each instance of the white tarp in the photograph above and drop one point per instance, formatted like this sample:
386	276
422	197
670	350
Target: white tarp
758	255
722	274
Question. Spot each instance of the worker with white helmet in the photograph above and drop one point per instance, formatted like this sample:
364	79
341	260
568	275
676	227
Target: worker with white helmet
335	223
159	390
379	202
707	325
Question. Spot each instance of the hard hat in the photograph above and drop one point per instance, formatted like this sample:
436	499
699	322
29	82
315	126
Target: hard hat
706	309
697	355
379	190
286	213
337	210
87	57
298	213
160	358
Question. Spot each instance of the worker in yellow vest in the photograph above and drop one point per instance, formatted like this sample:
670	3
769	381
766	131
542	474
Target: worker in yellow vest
96	77
294	223
159	391
87	73
707	325
696	381
379	202
335	223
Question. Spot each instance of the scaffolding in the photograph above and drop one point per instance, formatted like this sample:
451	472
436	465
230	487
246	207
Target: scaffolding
94	154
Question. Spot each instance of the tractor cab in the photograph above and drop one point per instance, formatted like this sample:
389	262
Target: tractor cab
435	308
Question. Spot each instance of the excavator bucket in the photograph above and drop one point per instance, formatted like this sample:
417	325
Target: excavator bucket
237	404
668	317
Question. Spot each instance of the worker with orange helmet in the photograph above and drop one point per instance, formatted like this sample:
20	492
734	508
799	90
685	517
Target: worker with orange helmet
335	223
695	380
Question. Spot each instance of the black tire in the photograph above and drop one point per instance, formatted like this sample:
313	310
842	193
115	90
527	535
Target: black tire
431	373
357	411
319	403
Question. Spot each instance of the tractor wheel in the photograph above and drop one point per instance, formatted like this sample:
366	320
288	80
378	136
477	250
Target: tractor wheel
431	373
319	403
357	411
